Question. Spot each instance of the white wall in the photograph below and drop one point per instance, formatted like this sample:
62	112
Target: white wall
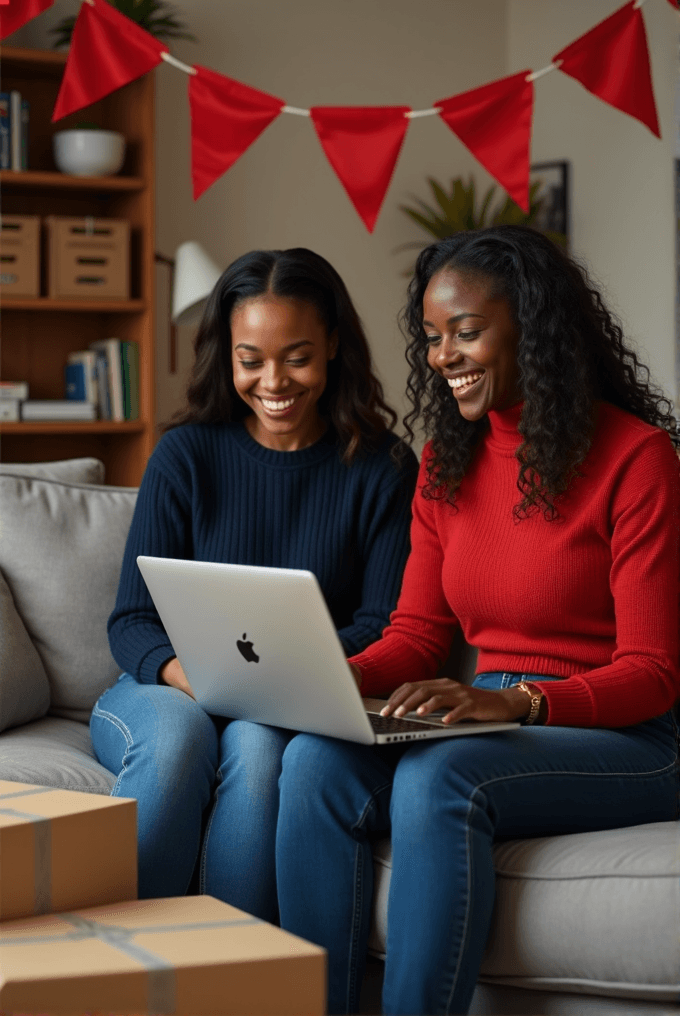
622	198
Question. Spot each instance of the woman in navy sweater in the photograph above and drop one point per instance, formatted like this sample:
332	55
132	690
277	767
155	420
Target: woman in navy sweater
282	457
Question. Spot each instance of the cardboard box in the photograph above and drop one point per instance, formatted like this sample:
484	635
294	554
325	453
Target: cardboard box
20	255
88	258
62	849
191	955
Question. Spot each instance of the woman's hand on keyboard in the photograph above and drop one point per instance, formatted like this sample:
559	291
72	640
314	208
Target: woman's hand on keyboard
465	703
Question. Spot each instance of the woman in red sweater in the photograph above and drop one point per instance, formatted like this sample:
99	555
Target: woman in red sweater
546	525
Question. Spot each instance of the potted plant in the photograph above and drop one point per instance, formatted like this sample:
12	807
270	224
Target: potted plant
457	209
156	16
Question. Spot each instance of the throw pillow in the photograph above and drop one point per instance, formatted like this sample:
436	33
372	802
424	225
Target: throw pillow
61	552
66	470
24	689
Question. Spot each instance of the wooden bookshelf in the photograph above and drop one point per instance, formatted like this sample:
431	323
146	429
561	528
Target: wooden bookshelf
39	333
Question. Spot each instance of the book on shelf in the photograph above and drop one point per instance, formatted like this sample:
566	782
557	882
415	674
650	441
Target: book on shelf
13	390
5	142
103	400
9	410
57	409
80	376
25	120
130	367
15	114
111	348
117	372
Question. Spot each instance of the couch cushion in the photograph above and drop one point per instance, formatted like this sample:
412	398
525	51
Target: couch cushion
24	688
53	753
594	913
65	470
61	551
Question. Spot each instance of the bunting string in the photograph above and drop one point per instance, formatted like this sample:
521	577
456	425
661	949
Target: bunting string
361	143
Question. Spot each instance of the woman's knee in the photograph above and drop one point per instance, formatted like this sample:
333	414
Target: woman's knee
151	724
250	757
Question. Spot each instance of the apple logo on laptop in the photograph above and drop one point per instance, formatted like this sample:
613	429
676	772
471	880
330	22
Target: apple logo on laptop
246	650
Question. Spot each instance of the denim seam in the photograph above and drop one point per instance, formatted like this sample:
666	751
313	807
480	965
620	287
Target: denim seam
124	729
356	923
204	849
358	896
467	904
569	772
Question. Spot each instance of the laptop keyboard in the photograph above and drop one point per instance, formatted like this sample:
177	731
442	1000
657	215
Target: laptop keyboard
395	725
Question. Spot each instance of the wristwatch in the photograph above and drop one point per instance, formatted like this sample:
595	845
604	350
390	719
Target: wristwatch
536	696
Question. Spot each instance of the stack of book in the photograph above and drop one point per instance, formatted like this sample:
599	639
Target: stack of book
107	376
12	394
57	409
14	118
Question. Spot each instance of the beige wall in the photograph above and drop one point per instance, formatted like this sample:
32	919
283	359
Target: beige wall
622	195
283	193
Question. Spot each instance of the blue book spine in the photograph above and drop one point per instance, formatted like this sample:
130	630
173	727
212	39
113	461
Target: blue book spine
5	134
74	375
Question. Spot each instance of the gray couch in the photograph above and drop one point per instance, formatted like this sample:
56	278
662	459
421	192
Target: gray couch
584	924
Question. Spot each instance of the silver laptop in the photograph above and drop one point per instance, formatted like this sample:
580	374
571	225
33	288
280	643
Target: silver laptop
259	644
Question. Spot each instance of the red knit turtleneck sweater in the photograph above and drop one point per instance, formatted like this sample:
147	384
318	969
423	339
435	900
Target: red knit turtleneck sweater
591	598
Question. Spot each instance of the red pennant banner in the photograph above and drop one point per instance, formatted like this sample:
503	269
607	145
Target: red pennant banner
612	62
362	144
675	4
107	51
18	12
494	122
226	117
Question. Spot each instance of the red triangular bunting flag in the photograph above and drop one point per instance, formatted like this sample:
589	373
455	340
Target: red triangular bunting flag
674	4
612	62
107	51
18	12
362	144
226	117
494	122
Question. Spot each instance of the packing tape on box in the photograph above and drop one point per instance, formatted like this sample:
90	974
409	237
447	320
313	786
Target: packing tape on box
42	831
161	996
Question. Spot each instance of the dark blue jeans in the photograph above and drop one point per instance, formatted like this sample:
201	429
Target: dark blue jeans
444	803
182	766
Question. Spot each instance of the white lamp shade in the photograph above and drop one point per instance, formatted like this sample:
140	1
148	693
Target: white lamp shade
195	278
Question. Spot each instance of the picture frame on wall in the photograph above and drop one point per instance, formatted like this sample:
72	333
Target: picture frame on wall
554	192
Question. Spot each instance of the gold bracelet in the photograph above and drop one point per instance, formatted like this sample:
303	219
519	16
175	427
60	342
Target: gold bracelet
536	697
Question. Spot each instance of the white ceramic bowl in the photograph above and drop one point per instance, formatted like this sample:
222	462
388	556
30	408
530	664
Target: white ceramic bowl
88	152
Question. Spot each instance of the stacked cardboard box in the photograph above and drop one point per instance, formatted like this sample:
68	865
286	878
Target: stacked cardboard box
83	942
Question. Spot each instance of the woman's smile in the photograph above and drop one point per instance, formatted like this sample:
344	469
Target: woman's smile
280	354
472	342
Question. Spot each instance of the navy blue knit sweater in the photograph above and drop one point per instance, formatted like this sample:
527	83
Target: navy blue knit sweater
212	493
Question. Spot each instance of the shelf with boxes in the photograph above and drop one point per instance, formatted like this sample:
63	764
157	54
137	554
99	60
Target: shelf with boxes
92	243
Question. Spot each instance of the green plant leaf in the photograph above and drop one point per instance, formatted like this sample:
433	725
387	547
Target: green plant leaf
456	211
157	17
488	198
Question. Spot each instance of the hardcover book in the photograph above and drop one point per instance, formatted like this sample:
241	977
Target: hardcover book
5	145
111	349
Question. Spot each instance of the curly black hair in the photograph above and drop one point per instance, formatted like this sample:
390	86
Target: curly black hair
352	400
571	352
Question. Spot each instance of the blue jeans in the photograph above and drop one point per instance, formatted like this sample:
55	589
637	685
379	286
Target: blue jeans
190	771
444	802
